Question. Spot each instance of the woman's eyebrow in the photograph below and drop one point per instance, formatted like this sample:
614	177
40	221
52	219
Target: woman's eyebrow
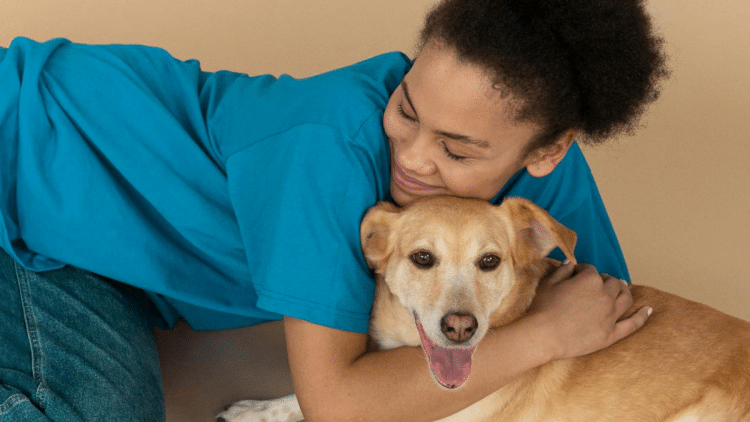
455	136
408	97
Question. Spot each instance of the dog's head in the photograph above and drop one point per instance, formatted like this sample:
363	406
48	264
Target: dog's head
460	266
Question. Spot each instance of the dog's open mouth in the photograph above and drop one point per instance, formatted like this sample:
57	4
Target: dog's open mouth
450	366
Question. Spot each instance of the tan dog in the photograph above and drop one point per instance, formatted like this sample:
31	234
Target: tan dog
449	269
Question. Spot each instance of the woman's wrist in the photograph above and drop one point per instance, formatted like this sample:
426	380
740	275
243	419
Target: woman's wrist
542	333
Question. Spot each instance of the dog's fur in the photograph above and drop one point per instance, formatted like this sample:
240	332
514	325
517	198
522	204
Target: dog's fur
688	363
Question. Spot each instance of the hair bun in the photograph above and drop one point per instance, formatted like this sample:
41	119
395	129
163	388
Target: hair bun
590	65
615	58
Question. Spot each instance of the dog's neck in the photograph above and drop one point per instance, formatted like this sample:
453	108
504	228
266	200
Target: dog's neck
521	297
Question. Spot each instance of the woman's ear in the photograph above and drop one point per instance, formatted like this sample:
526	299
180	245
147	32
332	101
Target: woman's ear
543	160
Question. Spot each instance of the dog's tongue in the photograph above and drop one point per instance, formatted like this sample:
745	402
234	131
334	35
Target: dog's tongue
450	367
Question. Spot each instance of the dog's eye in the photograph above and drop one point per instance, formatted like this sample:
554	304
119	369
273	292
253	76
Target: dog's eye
422	259
489	262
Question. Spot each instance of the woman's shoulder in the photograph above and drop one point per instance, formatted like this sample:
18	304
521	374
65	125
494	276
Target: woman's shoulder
344	100
349	95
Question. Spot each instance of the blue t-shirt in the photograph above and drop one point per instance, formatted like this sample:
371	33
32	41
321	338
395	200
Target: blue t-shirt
231	199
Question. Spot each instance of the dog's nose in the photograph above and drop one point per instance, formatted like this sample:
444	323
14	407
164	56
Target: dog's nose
458	327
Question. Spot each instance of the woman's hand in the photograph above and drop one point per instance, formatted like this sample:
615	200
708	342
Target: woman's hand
582	309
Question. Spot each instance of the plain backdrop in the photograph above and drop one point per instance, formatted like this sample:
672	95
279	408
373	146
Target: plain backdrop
678	191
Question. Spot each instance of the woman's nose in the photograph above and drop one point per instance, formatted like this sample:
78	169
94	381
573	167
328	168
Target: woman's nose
414	155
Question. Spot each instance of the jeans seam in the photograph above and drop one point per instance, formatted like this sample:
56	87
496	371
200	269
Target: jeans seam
12	401
32	331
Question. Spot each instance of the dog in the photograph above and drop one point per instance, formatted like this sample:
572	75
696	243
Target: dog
448	269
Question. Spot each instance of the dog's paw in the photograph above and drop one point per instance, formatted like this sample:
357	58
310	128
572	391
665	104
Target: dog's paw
284	409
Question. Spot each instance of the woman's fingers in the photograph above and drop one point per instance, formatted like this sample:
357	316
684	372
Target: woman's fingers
631	324
585	309
561	273
614	286
623	302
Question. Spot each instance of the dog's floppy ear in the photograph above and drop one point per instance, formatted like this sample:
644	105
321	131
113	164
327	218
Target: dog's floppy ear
536	233
374	233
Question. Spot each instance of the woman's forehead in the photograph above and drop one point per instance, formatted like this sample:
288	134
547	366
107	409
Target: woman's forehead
458	97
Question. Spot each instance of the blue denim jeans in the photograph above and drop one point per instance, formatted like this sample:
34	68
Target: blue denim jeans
75	347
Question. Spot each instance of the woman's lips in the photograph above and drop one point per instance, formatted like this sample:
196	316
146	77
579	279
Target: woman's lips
408	183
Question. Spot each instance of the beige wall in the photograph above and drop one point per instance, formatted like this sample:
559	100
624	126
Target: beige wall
678	191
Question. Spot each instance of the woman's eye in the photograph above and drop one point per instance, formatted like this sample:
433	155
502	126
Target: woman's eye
404	115
448	152
451	155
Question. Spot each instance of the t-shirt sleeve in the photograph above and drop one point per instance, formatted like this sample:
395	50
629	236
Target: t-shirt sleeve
598	244
299	197
79	120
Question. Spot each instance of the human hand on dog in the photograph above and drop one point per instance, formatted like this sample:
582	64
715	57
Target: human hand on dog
583	310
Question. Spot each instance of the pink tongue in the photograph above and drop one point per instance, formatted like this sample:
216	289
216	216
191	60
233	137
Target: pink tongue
450	367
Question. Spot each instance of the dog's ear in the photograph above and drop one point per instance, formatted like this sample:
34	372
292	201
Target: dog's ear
375	231
536	233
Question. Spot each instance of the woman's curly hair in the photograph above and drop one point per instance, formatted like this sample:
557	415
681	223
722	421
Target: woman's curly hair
589	65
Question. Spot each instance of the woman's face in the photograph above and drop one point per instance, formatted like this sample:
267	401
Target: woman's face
451	132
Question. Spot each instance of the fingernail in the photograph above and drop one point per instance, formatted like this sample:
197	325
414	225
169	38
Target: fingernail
649	311
624	282
566	262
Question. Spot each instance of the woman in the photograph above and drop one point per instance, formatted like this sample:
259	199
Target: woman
234	200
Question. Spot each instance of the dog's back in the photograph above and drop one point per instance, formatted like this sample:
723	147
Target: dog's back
688	363
689	359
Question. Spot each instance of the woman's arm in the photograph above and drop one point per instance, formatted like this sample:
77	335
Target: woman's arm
337	380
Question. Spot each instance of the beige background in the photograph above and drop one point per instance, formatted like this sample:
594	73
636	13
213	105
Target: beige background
678	191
